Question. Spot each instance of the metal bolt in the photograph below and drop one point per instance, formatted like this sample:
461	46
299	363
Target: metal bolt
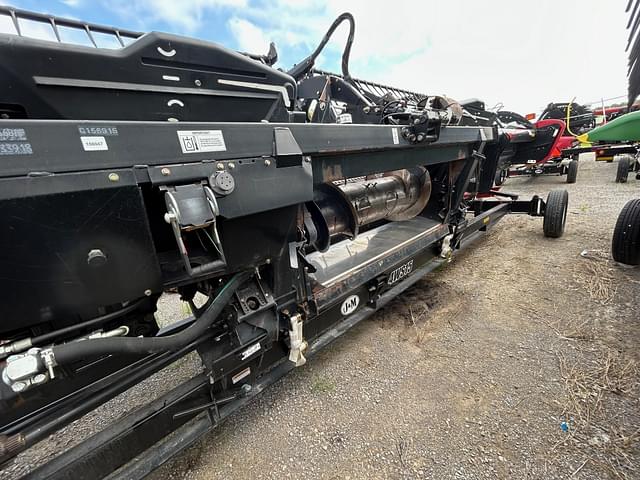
18	387
114	177
220	166
198	83
307	159
268	261
96	258
232	166
165	171
147	292
267	162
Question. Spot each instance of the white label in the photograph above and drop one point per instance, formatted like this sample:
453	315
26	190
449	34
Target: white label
240	375
400	272
394	134
350	305
201	141
531	161
345	118
250	351
93	144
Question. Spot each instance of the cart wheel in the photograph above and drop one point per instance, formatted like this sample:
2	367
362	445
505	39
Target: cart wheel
623	169
572	171
501	176
625	245
555	214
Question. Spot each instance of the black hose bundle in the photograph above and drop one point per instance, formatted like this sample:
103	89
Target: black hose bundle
73	351
306	65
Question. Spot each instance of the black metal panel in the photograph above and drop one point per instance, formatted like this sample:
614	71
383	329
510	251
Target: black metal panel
116	445
259	183
335	167
156	77
254	240
539	147
56	146
45	244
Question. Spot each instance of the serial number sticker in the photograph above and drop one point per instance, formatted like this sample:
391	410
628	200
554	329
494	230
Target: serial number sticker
101	131
16	149
196	141
250	351
13	135
400	272
94	144
394	134
240	375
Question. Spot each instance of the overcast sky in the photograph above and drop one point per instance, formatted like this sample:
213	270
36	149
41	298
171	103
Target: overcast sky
523	54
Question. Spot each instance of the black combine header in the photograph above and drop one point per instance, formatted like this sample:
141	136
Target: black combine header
284	207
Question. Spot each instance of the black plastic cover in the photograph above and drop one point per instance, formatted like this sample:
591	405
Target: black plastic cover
156	77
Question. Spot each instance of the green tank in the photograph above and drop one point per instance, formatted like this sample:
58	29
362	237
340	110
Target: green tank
623	129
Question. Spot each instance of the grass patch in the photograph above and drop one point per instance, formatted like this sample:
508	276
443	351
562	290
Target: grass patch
322	384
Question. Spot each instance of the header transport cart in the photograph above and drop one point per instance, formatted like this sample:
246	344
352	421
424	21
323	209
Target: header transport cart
564	125
543	156
297	203
545	153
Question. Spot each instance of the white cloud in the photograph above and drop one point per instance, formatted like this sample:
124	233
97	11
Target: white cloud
523	54
184	16
72	3
250	37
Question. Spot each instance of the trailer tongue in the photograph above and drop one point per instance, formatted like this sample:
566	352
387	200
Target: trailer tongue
295	204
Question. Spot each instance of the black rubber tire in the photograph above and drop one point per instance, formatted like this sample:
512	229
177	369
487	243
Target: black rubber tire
499	179
625	246
572	171
555	214
623	170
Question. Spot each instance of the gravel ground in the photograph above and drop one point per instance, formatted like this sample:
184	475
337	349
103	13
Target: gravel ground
517	360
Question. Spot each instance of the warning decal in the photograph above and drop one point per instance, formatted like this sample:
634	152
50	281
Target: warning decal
197	141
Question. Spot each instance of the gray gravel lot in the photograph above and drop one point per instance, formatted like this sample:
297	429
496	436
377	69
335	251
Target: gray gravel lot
467	375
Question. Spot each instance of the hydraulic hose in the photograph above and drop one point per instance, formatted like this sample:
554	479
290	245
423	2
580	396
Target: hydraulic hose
306	65
73	351
26	343
48	337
